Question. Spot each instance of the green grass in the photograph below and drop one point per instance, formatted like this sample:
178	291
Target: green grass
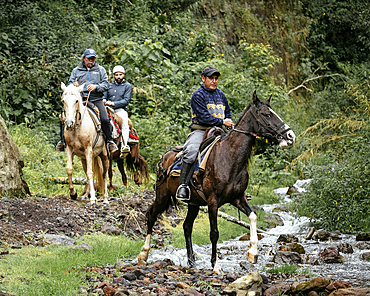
22	268
289	269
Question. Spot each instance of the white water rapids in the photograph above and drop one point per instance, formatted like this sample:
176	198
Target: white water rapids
232	254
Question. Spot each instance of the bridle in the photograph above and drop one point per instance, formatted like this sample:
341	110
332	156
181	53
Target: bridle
265	126
78	116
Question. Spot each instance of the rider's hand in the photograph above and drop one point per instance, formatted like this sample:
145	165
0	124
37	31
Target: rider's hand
109	103
91	87
76	83
228	122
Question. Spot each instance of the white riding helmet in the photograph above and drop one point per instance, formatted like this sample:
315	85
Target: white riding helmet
119	69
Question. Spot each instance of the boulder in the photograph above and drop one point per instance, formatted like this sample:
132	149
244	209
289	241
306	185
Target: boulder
324	235
55	239
336	285
250	284
363	236
287	238
331	255
365	256
362	245
273	221
286	257
316	284
278	289
351	292
293	247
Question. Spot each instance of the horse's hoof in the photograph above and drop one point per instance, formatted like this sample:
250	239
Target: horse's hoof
74	196
252	258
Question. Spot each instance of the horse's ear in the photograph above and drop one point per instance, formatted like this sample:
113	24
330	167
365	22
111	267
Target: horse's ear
81	87
269	100
255	99
63	86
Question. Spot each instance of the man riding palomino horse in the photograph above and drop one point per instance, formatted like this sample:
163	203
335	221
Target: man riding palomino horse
95	80
118	97
209	107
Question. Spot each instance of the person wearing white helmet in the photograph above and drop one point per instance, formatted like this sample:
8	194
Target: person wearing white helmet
118	97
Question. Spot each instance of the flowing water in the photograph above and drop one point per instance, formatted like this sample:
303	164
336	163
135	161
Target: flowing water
232	253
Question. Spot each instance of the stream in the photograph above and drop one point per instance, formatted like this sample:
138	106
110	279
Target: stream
232	254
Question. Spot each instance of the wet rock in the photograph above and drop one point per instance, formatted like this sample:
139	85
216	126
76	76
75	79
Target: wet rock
363	236
366	256
286	257
274	220
281	208
331	255
362	245
108	228
316	284
256	208
336	285
345	248
54	239
277	289
245	285
351	292
129	276
293	247
247	237
287	238
325	235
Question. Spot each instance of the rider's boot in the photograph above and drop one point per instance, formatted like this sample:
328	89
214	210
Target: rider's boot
183	191
107	129
61	144
125	149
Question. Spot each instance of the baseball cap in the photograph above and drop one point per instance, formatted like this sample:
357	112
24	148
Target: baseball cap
209	71
89	53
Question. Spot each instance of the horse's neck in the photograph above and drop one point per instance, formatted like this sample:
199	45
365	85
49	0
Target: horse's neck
238	146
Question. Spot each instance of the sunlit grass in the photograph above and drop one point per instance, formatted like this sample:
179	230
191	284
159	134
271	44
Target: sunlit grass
48	270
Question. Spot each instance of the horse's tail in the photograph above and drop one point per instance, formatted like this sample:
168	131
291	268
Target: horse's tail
141	164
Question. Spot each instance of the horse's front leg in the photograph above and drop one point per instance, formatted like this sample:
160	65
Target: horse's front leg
87	186
90	174
69	169
212	214
242	204
188	229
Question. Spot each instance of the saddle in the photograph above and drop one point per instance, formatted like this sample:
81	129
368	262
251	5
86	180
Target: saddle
211	137
116	122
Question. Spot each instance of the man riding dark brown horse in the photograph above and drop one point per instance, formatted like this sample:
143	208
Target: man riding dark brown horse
209	107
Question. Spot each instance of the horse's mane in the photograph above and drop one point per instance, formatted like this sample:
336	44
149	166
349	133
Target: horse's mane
241	116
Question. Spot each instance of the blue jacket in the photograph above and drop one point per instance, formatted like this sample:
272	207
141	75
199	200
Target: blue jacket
96	75
120	94
209	108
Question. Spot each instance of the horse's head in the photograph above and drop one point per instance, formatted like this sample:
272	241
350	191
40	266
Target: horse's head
72	104
269	125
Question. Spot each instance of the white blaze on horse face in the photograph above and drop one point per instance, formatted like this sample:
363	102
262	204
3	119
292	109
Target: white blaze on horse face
290	134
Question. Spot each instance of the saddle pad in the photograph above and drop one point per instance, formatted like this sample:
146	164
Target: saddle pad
201	162
95	118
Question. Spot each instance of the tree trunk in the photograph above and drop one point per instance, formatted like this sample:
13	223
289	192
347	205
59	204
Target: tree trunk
12	183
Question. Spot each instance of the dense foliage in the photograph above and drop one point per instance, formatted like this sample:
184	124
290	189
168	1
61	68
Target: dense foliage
312	56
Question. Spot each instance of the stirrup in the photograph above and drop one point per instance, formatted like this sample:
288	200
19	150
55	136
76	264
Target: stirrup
187	188
248	197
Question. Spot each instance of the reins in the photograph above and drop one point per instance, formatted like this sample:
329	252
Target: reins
274	132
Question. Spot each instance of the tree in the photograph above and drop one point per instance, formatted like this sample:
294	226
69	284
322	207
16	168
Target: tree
12	182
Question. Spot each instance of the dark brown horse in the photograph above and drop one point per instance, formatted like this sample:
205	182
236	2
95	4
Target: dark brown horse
224	180
135	163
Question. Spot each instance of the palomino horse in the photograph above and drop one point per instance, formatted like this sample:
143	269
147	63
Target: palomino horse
135	163
224	180
83	140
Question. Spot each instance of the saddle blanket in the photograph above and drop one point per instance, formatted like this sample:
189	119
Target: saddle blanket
201	162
